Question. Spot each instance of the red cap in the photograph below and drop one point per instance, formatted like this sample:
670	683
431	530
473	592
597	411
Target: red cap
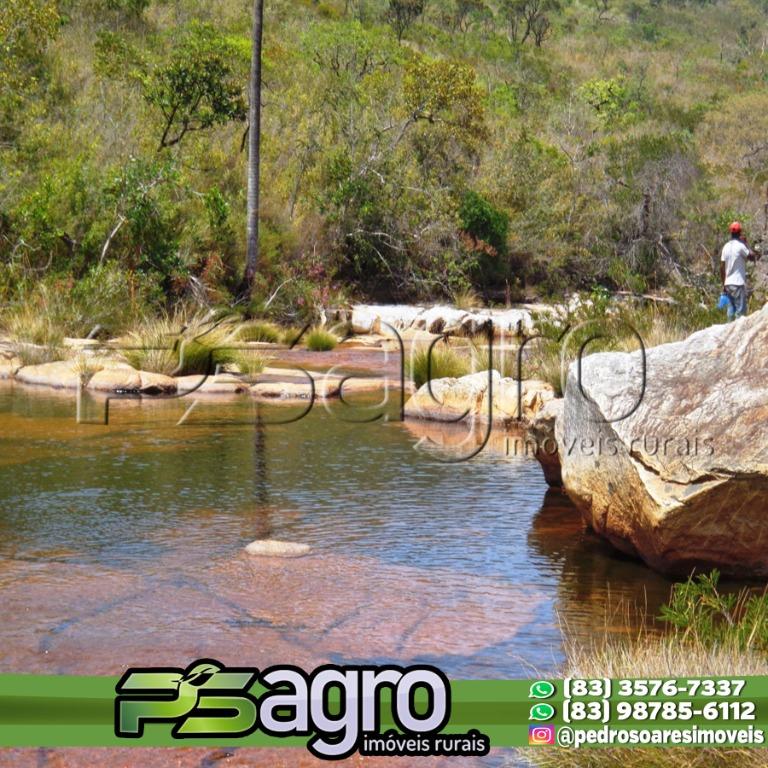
735	228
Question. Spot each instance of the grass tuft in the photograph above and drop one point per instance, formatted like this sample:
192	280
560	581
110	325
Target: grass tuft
445	363
34	354
291	334
320	340
467	299
177	346
260	330
33	323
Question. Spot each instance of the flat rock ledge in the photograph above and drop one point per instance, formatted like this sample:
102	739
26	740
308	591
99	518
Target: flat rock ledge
452	399
274	548
108	375
96	375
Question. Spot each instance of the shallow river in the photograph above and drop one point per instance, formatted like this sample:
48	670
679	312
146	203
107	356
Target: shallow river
123	544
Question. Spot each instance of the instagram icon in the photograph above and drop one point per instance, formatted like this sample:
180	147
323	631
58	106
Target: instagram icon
541	735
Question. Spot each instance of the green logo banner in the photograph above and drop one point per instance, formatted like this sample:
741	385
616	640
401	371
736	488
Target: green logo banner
335	711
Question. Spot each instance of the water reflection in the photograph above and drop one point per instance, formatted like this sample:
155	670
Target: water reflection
599	589
124	543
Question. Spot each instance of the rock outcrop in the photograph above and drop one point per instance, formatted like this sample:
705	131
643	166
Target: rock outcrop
368	319
97	374
542	437
220	384
125	379
62	374
451	399
327	387
675	470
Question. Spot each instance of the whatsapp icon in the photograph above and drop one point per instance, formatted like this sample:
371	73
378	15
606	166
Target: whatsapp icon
541	689
542	712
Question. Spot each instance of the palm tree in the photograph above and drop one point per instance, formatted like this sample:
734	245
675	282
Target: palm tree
254	142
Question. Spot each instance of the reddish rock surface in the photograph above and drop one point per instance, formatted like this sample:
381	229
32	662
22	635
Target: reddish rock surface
72	618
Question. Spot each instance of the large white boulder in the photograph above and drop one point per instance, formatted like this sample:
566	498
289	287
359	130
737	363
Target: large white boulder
677	475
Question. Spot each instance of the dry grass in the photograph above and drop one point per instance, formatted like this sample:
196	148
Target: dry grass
86	367
34	354
32	323
467	299
688	649
182	345
655	657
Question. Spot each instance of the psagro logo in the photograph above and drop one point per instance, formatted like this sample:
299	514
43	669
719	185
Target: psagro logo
338	707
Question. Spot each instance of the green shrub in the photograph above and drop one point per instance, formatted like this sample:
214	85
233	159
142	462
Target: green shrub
484	222
131	8
247	362
320	340
699	611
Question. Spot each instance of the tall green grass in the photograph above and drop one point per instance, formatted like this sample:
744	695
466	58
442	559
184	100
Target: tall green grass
320	340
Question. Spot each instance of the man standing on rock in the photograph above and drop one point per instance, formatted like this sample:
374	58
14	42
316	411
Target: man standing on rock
733	270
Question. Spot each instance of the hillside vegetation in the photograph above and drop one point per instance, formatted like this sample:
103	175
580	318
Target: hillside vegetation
410	149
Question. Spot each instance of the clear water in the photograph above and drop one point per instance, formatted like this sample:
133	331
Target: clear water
124	544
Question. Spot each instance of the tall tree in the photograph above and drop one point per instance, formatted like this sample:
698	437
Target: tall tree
254	156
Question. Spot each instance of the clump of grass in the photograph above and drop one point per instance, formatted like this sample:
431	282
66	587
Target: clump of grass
35	354
86	367
699	611
291	334
710	633
247	363
105	300
31	323
176	347
467	299
503	360
260	330
542	360
444	363
320	340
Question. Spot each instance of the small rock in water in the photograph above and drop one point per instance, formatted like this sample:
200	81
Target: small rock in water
272	548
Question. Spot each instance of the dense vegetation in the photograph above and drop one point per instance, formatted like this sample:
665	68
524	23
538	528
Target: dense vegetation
410	149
